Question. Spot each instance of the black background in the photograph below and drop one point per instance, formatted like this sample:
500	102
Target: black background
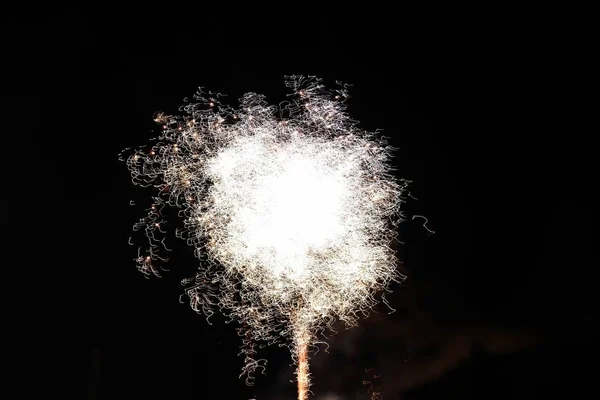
486	129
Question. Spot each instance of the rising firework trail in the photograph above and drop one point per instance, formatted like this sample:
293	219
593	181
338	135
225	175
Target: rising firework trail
291	210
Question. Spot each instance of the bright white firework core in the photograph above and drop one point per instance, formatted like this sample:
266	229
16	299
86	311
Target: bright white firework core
285	205
300	219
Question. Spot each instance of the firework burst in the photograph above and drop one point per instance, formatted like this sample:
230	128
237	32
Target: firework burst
290	208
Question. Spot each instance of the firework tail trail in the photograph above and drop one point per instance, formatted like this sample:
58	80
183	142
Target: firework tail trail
303	372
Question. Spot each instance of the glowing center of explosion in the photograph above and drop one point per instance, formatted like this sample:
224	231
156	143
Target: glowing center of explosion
287	207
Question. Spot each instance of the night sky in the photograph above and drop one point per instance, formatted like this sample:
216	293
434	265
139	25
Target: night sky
498	162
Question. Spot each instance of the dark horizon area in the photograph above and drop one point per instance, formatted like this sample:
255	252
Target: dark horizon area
498	302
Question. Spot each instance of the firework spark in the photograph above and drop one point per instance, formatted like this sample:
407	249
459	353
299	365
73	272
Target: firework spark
291	210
